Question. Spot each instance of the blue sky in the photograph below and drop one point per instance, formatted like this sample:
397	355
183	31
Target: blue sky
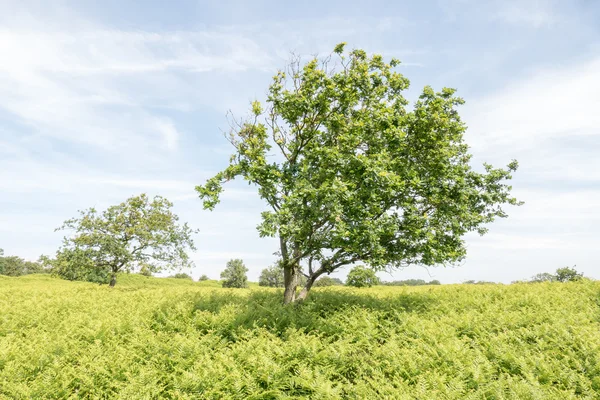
103	100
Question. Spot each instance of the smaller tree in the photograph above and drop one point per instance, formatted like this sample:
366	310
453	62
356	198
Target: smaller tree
568	274
328	281
139	231
361	276
203	278
145	271
272	276
234	275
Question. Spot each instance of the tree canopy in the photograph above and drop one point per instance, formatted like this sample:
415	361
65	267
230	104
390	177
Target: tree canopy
351	174
140	232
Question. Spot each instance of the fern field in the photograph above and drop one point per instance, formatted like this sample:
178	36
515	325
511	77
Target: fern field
154	338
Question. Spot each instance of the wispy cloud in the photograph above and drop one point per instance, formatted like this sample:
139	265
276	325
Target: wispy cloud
528	13
534	13
74	86
545	120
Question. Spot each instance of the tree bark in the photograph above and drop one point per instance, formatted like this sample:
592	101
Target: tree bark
290	280
304	292
309	282
113	279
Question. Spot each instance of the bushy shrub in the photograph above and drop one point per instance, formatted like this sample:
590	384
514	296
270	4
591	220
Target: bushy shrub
203	278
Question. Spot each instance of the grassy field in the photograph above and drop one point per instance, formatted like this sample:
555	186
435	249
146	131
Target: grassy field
168	338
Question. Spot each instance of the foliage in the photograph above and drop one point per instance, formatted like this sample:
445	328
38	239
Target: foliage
152	338
139	231
145	271
543	277
234	275
181	275
568	274
76	265
203	278
357	174
271	276
412	282
16	266
361	276
328	281
473	282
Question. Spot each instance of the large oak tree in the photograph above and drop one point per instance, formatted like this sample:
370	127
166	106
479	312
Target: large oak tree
350	173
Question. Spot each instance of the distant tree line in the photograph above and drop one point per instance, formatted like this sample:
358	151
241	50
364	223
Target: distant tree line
412	282
182	275
565	274
235	274
16	266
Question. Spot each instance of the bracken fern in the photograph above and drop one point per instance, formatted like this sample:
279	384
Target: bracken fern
176	339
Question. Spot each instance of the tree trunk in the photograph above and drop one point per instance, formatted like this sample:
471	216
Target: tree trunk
290	280
309	282
304	292
113	279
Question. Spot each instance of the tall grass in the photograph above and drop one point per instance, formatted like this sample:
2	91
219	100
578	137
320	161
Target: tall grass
172	338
